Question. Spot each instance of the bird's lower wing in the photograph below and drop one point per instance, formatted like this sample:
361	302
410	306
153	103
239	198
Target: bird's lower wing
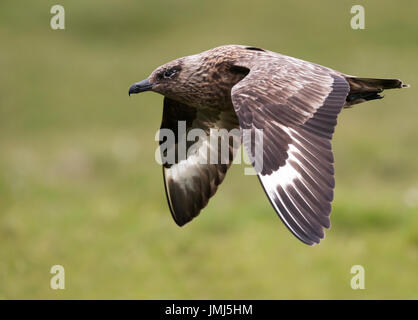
296	104
193	169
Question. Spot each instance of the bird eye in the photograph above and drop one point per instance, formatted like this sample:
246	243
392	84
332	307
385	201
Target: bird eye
169	73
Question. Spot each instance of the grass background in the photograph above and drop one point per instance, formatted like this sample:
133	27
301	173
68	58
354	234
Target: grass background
79	185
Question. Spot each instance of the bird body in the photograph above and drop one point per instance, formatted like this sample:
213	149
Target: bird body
294	103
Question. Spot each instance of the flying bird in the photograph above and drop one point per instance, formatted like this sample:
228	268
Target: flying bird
294	102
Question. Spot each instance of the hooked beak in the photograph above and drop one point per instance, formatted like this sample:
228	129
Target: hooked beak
140	86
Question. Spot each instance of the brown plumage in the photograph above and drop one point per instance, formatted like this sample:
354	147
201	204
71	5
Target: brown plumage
294	102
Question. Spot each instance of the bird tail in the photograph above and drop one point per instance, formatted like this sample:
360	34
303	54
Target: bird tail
365	89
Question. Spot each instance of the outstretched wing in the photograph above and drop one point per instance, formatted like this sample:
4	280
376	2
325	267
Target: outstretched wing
296	104
193	169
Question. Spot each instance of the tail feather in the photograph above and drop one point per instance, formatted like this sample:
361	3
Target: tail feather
365	89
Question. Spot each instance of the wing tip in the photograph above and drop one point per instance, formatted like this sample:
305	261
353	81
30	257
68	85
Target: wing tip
179	223
312	241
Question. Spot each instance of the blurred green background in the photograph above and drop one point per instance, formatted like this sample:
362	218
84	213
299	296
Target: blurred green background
79	185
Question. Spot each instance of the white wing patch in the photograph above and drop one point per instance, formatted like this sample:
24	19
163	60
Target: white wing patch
286	174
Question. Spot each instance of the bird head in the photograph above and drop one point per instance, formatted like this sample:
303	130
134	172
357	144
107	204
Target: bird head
203	79
167	79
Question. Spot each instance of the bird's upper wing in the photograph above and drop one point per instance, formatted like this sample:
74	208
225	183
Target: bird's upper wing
296	104
200	165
